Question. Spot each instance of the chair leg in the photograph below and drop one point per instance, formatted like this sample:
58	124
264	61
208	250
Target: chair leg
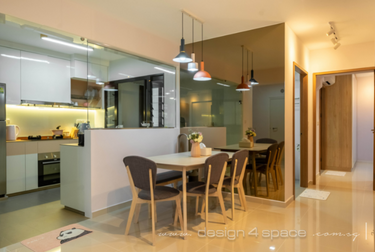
275	184
203	206
137	211
241	191
267	181
197	206
206	200
153	220
232	192
175	184
221	201
156	213
280	174
179	213
130	217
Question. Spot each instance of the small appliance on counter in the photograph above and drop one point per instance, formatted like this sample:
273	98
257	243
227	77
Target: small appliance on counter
34	137
81	133
57	131
12	132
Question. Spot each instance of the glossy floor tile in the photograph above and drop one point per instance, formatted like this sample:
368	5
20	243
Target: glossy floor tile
343	222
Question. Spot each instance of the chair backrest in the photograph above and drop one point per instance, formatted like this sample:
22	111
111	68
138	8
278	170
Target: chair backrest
139	168
280	151
240	156
271	154
217	163
182	143
266	140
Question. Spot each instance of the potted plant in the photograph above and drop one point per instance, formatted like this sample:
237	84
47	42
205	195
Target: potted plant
195	139
250	133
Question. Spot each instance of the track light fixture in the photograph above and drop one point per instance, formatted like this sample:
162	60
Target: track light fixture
331	30
335	39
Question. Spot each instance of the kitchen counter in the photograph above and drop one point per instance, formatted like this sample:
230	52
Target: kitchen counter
71	145
39	140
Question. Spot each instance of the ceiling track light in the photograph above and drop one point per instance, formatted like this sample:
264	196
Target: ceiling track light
331	30
57	41
182	57
202	75
335	39
243	86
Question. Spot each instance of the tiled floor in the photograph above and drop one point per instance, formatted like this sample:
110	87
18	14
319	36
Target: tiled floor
347	209
28	215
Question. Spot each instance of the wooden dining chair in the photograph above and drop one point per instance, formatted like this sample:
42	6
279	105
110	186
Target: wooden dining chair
237	173
269	168
214	172
142	179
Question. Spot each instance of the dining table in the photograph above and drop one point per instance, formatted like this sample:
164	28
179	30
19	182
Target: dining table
184	162
253	152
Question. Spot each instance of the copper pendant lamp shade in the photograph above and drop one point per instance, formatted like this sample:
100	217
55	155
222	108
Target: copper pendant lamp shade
202	75
243	86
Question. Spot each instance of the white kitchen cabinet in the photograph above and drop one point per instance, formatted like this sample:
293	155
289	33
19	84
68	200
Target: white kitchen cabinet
94	72
78	69
10	74
44	78
31	171
16	176
100	72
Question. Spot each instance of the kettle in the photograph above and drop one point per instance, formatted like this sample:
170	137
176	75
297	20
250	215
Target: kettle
12	132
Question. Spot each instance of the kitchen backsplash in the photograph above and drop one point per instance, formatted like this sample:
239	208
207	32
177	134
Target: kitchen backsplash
40	120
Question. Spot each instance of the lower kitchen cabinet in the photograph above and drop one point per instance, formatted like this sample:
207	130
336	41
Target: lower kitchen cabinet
16	175
31	171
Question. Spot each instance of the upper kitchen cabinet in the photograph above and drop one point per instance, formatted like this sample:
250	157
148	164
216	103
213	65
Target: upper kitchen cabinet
44	78
80	70
10	68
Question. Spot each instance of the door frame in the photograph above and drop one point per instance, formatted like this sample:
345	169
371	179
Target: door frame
303	127
354	70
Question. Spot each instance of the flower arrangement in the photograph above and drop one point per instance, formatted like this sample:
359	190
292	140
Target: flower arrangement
250	132
195	137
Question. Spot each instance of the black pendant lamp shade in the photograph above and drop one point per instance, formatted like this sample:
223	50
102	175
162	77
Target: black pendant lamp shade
182	57
252	80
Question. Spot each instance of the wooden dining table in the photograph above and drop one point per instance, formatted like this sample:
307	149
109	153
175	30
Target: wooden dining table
183	162
253	151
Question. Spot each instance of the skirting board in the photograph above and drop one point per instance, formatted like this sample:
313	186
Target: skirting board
227	195
125	204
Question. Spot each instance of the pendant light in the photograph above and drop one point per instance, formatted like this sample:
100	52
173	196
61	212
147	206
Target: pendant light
252	80
182	57
202	75
193	66
247	68
243	86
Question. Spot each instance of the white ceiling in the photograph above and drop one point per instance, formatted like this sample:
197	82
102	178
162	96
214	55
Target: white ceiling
354	19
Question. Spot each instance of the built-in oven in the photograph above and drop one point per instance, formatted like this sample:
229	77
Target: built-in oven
48	168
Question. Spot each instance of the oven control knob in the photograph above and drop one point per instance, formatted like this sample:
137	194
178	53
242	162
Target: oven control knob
46	156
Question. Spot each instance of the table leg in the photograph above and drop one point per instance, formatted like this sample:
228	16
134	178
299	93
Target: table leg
255	175
184	202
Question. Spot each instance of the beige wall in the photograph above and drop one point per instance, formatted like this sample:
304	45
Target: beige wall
295	51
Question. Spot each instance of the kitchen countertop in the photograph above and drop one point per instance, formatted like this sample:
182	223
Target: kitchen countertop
40	140
72	145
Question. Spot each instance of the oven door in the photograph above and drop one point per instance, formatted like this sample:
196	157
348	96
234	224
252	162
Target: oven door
48	172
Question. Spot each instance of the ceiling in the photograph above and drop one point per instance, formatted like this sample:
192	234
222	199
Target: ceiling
354	20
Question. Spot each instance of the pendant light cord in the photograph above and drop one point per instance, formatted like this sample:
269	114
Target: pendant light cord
182	25
193	33
247	68
242	61
202	41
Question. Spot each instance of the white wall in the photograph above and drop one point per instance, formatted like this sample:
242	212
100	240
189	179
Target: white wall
365	116
109	179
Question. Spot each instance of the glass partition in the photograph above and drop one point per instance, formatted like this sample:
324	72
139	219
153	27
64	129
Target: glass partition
214	103
129	91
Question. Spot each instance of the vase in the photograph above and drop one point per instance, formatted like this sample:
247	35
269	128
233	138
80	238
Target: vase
195	150
251	139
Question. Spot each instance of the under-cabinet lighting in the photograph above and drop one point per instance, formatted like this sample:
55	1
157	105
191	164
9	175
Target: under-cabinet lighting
164	70
221	84
66	43
91	76
24	58
98	82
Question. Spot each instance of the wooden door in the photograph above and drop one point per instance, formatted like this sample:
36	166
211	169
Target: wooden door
373	155
336	125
